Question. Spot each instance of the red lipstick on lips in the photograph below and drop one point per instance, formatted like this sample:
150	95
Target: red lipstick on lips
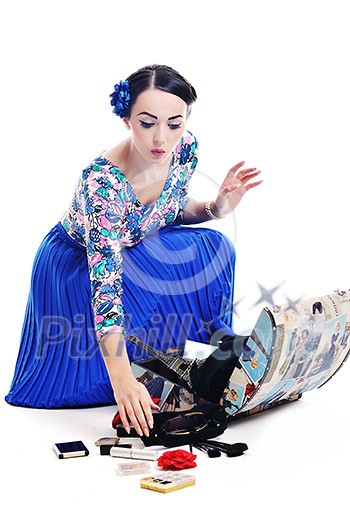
157	152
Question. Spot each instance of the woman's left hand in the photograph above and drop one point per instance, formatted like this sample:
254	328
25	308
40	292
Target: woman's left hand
234	187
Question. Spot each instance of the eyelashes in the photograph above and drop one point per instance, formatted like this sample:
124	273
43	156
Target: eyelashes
148	125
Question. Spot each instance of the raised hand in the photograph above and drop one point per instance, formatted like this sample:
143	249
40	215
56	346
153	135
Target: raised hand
234	187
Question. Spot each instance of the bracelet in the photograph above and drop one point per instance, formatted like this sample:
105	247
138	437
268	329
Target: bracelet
208	210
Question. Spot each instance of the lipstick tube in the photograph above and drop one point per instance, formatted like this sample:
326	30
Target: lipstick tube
130	453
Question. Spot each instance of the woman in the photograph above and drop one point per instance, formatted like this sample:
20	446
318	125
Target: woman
127	216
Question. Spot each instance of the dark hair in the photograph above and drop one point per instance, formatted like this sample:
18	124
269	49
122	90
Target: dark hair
317	307
161	77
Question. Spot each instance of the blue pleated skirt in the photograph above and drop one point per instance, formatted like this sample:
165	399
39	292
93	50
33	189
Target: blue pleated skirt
178	284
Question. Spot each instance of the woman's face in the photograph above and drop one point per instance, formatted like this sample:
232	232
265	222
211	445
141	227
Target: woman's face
157	122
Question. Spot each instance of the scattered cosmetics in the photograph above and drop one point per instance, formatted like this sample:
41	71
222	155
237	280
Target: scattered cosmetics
171	460
211	452
167	482
107	441
231	450
131	453
70	449
140	467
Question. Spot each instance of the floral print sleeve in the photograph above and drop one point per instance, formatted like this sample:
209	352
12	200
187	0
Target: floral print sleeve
103	212
189	159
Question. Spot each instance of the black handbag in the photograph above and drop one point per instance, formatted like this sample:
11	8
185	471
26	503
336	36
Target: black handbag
172	429
207	378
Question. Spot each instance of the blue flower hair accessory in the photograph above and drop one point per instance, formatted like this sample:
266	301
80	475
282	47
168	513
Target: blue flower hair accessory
120	98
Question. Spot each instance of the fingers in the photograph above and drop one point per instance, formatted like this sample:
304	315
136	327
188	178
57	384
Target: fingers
246	178
242	183
242	175
147	412
138	418
253	185
134	415
139	414
236	167
234	187
124	418
154	406
246	175
252	171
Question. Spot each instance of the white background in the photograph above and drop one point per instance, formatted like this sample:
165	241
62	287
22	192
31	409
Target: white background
272	83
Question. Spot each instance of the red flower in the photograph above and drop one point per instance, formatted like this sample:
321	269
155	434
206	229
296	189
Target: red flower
177	460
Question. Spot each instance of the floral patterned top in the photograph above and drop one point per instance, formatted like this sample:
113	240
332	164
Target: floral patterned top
106	215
